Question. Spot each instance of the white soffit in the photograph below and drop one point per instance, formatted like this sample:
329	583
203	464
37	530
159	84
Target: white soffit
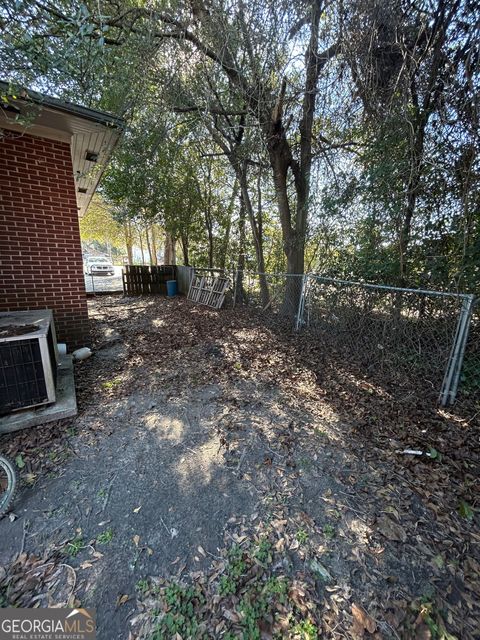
86	136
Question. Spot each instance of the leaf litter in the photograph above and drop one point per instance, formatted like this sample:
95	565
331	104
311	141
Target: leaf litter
388	547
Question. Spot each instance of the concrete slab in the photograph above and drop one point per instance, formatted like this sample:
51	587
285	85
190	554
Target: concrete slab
64	407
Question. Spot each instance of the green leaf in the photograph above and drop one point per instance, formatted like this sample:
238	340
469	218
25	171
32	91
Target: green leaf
465	510
438	561
19	462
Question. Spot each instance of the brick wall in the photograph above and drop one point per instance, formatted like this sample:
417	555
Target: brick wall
40	251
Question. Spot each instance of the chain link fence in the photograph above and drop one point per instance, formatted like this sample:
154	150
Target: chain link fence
425	343
103	283
272	293
410	339
413	342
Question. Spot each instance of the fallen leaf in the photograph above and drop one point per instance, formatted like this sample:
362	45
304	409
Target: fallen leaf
391	530
137	509
294	545
136	539
121	600
30	478
231	615
361	621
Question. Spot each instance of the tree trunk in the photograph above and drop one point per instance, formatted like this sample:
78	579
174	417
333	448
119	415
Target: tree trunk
413	185
184	243
226	239
141	244
149	245
256	226
240	166
210	246
281	160
127	228
169	253
207	213
154	244
240	293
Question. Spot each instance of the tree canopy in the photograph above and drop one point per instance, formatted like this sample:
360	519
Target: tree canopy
337	137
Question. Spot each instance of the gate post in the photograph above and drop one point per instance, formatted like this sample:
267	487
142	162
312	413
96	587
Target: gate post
449	389
301	303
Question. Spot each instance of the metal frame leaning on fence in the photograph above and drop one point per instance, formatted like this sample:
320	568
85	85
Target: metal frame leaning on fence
449	388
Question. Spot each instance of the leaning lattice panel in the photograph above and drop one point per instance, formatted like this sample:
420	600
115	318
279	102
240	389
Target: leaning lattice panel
217	295
208	290
196	288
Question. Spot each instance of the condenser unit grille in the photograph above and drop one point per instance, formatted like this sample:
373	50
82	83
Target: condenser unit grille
22	380
28	359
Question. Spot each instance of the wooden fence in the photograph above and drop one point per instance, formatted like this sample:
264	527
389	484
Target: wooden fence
141	280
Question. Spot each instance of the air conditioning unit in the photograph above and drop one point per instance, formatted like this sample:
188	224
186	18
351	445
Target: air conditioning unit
28	359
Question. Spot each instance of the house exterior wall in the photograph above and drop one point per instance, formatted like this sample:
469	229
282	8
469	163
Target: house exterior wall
40	251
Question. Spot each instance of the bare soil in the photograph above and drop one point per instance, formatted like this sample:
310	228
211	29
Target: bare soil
201	429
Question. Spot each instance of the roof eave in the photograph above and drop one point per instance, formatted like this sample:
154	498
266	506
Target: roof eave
86	113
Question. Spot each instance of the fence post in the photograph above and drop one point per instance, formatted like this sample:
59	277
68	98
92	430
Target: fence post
452	374
301	303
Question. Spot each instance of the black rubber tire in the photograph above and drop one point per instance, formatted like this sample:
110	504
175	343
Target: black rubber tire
8	468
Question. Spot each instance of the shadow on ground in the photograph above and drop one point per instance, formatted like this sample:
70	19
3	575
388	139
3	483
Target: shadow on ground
191	419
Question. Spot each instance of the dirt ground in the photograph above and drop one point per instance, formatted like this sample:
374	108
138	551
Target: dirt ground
219	450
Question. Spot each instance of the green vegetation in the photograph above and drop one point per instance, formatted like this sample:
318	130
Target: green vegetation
74	546
249	597
258	603
263	552
111	384
377	182
465	510
329	531
142	585
180	617
433	620
301	536
3	598
306	630
236	567
105	537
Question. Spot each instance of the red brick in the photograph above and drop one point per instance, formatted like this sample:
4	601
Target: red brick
40	251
